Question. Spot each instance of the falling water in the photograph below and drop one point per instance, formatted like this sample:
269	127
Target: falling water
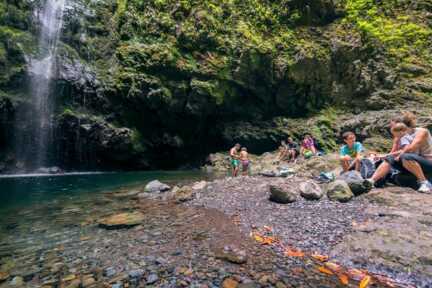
42	67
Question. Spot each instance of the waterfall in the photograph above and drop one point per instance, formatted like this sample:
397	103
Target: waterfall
34	146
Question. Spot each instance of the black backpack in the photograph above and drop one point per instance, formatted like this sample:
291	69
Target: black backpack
367	168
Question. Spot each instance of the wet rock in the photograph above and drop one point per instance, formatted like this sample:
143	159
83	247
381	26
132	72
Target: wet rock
199	185
281	195
232	254
156	186
248	285
122	220
17	281
310	190
183	194
109	272
3	276
74	284
152	278
136	273
356	182
339	191
88	281
268	173
229	283
117	285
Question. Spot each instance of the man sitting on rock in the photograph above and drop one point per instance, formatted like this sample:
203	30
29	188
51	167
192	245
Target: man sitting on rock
235	159
350	153
292	150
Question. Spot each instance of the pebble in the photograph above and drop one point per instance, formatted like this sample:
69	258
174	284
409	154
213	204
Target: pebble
152	278
109	272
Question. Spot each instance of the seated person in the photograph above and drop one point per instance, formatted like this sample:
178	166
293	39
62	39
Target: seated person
307	148
283	151
292	149
414	156
244	159
350	153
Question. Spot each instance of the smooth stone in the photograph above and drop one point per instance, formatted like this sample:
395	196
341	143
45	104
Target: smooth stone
136	273
152	278
281	195
339	191
310	190
109	272
17	281
356	182
156	186
229	283
122	220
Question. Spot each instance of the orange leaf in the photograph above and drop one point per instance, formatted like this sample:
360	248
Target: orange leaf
321	258
365	282
294	253
324	270
332	266
258	238
268	228
356	274
343	278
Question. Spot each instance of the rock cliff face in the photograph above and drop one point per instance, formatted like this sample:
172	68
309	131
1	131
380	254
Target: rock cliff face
157	84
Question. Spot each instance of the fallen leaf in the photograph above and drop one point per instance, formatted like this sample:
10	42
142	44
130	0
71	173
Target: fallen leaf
365	282
268	228
332	266
322	258
356	274
343	278
324	270
294	253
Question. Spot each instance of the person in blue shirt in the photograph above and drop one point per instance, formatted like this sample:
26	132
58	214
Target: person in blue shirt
350	153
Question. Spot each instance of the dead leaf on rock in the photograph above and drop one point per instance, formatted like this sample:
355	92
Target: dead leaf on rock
321	258
343	278
294	253
324	270
365	282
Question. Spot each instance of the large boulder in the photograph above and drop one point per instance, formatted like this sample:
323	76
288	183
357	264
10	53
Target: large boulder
156	186
281	195
310	190
356	182
339	191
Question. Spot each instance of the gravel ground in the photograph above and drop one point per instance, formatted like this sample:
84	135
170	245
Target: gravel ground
309	225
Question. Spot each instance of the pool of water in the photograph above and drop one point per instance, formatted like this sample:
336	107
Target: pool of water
38	212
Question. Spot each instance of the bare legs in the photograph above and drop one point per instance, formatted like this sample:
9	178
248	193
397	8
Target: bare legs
381	172
414	168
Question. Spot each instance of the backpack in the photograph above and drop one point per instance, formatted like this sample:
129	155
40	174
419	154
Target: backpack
367	168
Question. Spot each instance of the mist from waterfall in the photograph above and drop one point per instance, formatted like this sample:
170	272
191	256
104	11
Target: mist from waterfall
33	148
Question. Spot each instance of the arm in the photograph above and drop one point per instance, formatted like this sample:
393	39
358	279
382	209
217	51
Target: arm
395	145
419	139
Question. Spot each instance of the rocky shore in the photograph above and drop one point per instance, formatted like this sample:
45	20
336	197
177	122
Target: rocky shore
199	235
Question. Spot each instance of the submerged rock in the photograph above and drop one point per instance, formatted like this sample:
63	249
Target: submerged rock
356	182
122	220
310	190
281	195
183	194
339	191
232	254
156	186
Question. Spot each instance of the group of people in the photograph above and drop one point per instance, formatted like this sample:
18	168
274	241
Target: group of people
411	153
239	157
290	150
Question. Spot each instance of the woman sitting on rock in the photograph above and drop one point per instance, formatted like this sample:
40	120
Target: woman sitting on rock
308	148
413	155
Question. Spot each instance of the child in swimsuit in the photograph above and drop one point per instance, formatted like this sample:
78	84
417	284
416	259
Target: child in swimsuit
244	161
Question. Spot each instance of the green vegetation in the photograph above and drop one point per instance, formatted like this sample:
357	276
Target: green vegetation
403	32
